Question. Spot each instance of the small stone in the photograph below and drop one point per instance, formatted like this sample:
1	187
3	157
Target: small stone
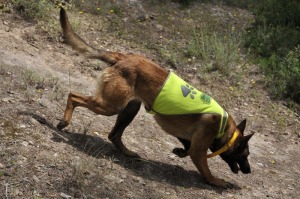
24	143
1	166
63	195
6	99
22	126
123	176
159	27
5	23
11	92
36	37
34	122
36	179
18	192
30	142
260	164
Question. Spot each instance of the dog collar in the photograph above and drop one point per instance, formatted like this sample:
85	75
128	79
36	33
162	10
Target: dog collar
226	146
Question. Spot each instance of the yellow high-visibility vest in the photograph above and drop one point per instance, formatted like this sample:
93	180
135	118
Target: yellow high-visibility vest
177	97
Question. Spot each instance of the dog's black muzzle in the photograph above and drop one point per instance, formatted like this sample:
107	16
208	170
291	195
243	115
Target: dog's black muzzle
240	165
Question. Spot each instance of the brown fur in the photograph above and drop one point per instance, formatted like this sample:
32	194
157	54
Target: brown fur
132	79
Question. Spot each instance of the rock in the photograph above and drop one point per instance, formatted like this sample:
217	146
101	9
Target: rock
260	164
36	179
1	166
123	176
6	99
34	122
159	27
139	180
22	126
18	192
63	195
24	143
36	37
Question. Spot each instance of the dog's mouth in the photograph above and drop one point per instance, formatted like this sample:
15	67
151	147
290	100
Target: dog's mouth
236	167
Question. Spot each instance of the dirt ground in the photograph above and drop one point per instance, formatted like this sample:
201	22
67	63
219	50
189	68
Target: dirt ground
38	161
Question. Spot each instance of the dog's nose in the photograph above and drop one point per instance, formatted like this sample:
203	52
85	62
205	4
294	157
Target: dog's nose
246	170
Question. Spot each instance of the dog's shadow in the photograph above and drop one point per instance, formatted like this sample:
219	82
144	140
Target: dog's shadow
144	168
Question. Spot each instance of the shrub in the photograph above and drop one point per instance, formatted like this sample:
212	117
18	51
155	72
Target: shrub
32	9
275	38
283	75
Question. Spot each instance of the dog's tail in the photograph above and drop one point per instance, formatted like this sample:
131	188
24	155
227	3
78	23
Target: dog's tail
78	44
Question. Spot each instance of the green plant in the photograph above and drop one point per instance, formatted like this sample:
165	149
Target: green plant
276	28
219	50
32	9
31	79
266	40
283	75
275	38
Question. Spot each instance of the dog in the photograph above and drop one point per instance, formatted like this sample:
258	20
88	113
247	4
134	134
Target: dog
131	80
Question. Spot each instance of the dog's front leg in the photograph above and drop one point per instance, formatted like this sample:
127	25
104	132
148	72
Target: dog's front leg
198	152
182	152
125	117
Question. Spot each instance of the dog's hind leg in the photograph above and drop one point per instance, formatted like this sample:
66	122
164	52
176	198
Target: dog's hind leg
125	117
95	104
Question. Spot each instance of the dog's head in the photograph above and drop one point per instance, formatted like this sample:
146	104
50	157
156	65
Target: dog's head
237	156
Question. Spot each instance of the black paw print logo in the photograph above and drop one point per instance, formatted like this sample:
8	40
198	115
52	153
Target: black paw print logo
188	90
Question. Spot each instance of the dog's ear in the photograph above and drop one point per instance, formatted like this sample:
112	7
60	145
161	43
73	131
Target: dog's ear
242	126
247	137
244	140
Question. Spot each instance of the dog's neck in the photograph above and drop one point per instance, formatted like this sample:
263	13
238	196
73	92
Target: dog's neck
226	147
230	135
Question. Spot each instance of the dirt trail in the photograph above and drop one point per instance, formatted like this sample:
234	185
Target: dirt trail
37	161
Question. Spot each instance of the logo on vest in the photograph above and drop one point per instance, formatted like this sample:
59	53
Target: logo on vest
205	98
188	90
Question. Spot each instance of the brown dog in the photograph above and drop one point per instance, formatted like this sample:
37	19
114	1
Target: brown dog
131	80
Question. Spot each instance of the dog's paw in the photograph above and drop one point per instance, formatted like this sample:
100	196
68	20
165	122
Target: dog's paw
217	182
61	125
180	152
